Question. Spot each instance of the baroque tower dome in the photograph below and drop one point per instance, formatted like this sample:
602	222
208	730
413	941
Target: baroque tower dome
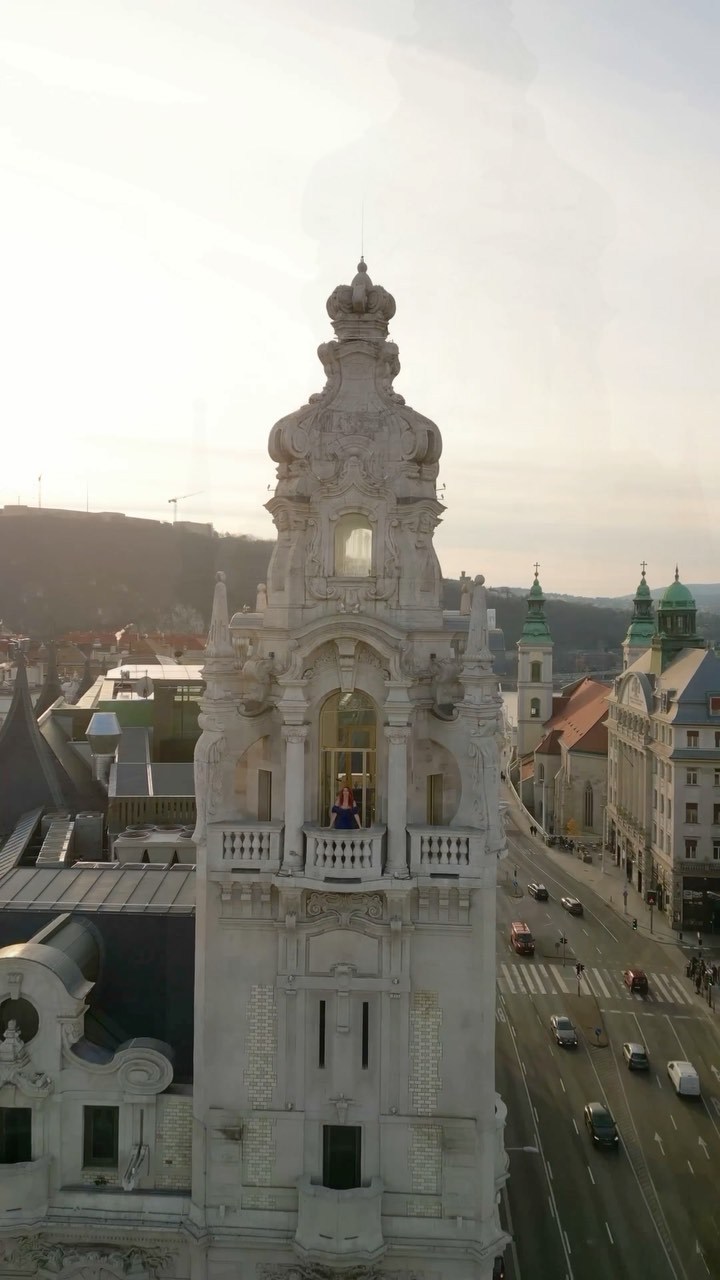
355	503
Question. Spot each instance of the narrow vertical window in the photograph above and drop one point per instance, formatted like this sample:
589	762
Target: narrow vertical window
365	1034
264	795
321	1035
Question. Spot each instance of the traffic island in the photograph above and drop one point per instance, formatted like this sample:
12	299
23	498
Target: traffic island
585	1013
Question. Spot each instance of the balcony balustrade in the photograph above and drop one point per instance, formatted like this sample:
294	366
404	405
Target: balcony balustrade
453	851
339	1228
344	855
247	846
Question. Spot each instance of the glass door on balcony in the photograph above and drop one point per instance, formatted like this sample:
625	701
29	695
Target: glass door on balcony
341	1156
348	748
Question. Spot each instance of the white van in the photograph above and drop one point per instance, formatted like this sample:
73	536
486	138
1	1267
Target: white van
685	1078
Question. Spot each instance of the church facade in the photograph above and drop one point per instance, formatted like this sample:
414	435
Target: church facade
347	783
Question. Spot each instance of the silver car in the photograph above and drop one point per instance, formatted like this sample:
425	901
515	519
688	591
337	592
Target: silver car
636	1056
563	1031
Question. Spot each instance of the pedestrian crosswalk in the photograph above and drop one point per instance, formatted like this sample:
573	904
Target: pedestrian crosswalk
607	984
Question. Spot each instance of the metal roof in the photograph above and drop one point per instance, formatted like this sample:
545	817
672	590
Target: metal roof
101	887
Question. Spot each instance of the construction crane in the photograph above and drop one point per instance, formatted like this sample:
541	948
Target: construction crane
181	498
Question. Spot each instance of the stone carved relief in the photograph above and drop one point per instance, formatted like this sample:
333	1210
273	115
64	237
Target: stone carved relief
140	1068
484	753
86	1262
15	1065
316	1271
345	905
208	779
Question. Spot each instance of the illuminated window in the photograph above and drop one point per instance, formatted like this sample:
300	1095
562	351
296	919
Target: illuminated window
348	733
353	547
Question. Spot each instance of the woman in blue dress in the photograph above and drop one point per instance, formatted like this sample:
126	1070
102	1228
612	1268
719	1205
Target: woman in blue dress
345	815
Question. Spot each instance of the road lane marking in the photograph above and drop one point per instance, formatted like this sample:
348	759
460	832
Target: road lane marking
552	1206
576	1128
600	982
561	983
528	981
690	1167
548	978
659	1082
537	1118
702	1143
567	1242
609	1233
587	935
673	1120
591	1175
659	1141
508	979
522	1064
550	1171
562	1086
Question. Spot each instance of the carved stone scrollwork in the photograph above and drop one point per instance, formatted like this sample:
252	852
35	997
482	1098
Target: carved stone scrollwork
140	1067
316	1271
345	905
86	1262
15	1065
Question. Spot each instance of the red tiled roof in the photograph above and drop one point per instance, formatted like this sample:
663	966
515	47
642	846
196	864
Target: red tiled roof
580	723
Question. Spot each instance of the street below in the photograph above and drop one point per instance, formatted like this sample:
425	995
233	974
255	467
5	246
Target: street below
650	1206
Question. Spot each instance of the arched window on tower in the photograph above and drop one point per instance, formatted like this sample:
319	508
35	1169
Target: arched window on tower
535	672
353	546
348	745
588	807
534	708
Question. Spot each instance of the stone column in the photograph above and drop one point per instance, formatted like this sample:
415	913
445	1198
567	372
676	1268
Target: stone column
293	855
397	782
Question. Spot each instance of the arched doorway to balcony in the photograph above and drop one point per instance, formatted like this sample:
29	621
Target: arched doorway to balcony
348	753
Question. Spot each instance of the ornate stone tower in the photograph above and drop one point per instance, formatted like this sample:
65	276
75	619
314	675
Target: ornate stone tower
642	624
348	834
676	626
534	672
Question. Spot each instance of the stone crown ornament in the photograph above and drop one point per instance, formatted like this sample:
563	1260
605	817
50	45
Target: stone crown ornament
355	308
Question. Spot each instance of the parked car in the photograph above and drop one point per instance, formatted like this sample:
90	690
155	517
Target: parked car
573	905
636	980
635	1056
600	1125
563	1031
685	1078
538	891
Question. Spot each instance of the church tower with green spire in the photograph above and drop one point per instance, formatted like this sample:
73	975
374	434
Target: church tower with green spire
642	624
534	704
676	626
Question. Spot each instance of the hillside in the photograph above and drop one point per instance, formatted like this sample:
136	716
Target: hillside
68	570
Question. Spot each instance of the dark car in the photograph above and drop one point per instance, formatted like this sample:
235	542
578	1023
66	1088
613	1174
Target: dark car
538	891
636	980
563	1031
600	1125
573	905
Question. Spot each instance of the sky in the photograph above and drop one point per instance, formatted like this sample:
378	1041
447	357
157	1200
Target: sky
184	182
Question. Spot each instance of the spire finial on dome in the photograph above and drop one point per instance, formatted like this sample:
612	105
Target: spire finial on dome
643	566
537	569
677	574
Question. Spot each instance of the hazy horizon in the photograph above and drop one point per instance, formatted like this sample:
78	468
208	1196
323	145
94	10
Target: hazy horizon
184	187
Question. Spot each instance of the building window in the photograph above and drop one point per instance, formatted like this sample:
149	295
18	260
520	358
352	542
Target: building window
717	741
534	708
716	778
434	799
365	1034
588	806
100	1137
691	777
693	738
353	547
654	832
669	808
654	798
321	1034
716	850
662	803
690	848
654	765
348	732
341	1156
716	814
714	704
691	813
264	795
15	1135
535	672
662	771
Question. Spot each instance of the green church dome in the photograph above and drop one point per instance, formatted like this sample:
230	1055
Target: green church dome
677	596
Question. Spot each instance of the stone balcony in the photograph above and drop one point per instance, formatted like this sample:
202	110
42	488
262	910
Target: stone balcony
339	1228
25	1190
344	855
451	851
244	846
